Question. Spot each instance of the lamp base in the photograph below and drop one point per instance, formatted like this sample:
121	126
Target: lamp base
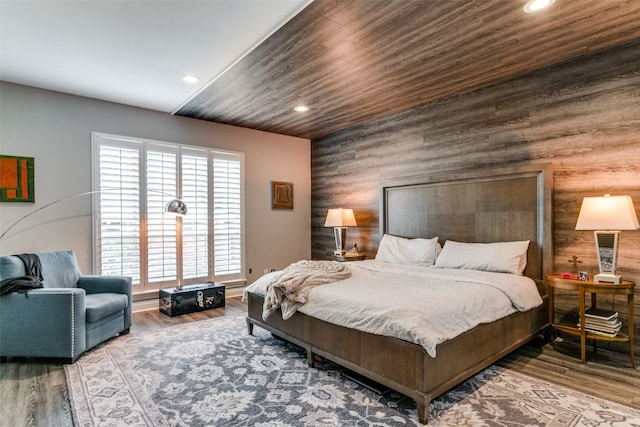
607	277
340	234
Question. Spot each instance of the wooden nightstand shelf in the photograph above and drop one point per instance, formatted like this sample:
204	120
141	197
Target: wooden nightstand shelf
626	287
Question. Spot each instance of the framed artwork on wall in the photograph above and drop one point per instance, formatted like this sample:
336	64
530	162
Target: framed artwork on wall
16	179
281	195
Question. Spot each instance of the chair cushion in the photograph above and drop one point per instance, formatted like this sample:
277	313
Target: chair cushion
10	267
99	306
59	269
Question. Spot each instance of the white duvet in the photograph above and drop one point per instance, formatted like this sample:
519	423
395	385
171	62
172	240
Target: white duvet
423	305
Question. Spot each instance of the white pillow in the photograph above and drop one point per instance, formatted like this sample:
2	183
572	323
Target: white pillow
501	257
408	251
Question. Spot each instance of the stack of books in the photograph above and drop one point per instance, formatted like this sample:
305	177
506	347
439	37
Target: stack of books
601	322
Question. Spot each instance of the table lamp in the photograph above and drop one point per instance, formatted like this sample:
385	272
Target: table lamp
340	219
606	216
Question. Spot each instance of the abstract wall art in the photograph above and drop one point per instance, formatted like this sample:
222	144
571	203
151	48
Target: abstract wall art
16	179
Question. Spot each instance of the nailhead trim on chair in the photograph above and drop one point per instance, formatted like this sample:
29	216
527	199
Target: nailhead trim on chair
73	326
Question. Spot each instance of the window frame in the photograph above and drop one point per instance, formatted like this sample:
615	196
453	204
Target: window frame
143	145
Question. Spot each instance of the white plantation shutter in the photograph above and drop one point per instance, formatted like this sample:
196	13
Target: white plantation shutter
195	225
227	216
161	185
134	180
119	226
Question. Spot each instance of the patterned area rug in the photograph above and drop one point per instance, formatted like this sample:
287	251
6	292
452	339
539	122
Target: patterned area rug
211	373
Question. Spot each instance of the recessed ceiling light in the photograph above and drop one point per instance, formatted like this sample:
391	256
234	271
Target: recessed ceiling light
301	108
534	6
190	79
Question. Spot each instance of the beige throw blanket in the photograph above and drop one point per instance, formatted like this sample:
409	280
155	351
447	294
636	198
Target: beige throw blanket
289	289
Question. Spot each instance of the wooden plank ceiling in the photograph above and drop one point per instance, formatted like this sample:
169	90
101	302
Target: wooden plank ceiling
354	61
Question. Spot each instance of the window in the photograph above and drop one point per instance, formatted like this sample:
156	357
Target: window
134	179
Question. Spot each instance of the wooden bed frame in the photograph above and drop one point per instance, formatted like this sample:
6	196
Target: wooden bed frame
484	206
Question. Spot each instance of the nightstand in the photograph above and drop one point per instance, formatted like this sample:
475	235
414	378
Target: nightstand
626	287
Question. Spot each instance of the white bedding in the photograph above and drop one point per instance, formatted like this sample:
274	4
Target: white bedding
423	305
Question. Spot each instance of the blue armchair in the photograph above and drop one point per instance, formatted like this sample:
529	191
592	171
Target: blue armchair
69	315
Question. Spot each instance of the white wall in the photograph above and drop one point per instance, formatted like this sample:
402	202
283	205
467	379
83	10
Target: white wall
56	128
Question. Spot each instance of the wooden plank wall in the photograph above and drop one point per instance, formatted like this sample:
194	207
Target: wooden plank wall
583	116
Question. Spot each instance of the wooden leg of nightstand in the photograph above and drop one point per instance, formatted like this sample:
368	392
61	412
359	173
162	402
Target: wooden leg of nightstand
551	316
583	333
593	305
630	328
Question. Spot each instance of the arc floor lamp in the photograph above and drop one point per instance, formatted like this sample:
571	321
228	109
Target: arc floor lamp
175	206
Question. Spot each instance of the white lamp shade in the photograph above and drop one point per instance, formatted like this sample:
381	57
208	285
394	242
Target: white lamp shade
340	218
607	213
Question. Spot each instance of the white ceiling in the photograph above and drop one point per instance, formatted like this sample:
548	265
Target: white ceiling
132	52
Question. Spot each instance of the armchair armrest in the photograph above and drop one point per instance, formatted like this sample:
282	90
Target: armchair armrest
102	284
46	322
112	284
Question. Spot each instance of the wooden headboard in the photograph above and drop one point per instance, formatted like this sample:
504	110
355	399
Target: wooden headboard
493	205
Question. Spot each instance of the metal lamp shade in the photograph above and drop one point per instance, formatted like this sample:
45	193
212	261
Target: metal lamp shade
176	207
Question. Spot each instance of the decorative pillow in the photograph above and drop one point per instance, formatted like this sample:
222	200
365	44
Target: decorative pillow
59	269
501	257
408	251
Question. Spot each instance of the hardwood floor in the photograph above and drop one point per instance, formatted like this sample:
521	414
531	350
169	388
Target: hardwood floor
34	392
607	374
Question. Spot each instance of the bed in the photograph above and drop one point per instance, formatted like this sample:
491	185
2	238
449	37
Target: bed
484	206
